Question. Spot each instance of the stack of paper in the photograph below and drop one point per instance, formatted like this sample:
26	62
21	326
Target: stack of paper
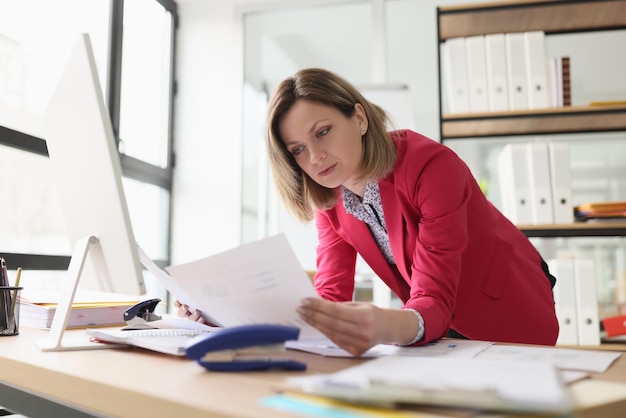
453	382
90	308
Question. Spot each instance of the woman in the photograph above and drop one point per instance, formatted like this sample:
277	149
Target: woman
413	211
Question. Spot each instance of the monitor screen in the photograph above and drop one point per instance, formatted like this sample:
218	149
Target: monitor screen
83	155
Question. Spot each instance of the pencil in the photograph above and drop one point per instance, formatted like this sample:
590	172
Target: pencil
17	284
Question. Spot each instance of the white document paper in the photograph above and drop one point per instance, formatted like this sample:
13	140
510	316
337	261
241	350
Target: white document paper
562	358
175	289
256	283
449	347
468	383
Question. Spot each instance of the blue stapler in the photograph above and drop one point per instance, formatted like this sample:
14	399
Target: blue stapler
244	348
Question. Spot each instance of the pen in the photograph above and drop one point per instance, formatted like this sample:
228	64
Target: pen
5	275
6	296
17	284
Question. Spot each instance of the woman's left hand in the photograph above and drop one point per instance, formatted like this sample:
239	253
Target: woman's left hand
354	326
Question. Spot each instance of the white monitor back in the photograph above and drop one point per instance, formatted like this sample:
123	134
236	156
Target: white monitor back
84	157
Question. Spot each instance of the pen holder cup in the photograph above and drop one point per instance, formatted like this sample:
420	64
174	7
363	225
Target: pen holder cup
9	310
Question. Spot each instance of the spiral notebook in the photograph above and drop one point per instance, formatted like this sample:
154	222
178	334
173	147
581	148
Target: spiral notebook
168	341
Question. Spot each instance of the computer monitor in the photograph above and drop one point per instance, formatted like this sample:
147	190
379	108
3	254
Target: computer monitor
84	158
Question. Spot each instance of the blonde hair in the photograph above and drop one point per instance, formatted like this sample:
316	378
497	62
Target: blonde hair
301	194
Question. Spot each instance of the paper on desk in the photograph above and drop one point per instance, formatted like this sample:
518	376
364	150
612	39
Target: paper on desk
562	358
179	323
255	283
445	347
460	382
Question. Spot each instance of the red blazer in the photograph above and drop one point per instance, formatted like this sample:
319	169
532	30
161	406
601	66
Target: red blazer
459	261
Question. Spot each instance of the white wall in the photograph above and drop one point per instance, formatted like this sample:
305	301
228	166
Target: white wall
208	116
207	131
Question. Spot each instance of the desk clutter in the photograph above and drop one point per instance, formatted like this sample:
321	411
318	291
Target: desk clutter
89	308
498	378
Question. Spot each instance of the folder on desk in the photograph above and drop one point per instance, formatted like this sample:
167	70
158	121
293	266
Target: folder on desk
541	192
586	302
514	183
561	183
495	58
565	300
455	73
476	73
516	70
536	70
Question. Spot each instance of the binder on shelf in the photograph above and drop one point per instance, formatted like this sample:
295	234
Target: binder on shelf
514	183
565	300
566	81
555	82
586	302
539	174
495	58
516	70
455	72
476	73
561	183
536	70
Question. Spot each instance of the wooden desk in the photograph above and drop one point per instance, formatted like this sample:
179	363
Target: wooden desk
138	383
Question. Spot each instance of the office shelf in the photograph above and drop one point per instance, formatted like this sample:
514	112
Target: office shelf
477	134
575	119
582	229
560	16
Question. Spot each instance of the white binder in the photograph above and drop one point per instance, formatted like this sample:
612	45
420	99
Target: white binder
565	300
514	183
516	70
495	56
586	302
476	73
561	183
536	70
455	73
539	173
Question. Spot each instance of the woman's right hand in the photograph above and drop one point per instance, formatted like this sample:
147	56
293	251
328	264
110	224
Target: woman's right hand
183	311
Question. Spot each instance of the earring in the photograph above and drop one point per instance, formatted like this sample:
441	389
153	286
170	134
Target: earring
362	131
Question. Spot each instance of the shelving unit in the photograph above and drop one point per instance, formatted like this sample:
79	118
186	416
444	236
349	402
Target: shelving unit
552	17
476	133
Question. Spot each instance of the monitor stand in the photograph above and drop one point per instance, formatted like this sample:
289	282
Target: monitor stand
55	340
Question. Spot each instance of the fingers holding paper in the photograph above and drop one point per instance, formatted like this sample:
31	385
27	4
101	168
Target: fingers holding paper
358	326
183	311
353	326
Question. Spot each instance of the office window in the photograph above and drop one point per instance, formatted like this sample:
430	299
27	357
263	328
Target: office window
133	45
146	77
